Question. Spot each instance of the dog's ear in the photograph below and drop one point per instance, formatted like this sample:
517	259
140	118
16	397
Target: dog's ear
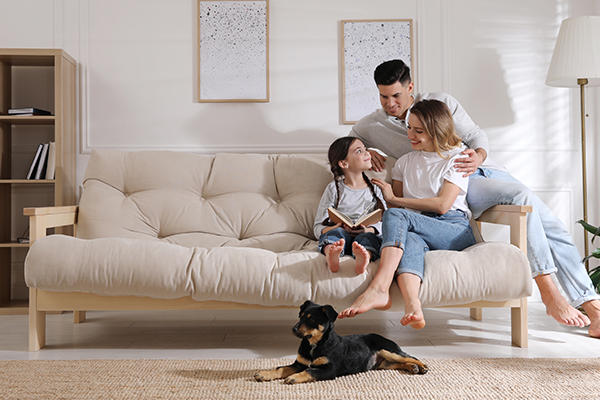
306	304
330	312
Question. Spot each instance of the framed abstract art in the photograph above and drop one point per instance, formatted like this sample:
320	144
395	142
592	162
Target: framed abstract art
365	45
233	40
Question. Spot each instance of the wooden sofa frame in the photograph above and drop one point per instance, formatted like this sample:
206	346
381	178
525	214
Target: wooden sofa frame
42	301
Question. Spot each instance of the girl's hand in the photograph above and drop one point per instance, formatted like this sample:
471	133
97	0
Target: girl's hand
386	188
328	228
358	230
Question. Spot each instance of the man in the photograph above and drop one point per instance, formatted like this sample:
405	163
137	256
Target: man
549	246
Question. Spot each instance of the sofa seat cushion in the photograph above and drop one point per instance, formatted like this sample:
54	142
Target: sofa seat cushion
125	266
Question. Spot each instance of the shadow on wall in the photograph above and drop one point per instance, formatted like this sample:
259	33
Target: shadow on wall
244	128
495	108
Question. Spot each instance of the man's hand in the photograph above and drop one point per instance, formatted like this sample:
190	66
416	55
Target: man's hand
470	164
377	161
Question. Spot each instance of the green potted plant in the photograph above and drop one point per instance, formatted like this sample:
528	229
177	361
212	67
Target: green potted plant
595	272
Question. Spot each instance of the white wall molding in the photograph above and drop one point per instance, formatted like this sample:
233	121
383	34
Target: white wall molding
445	39
258	149
84	78
59	24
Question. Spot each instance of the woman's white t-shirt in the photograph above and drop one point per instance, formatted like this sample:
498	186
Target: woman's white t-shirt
423	173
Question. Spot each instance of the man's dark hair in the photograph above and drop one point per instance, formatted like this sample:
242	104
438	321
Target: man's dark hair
392	71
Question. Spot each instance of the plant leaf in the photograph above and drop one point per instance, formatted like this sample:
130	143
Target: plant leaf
590	228
595	254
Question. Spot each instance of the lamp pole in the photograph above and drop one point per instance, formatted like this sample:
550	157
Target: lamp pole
582	82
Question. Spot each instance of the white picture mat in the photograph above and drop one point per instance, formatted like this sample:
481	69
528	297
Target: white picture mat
365	45
233	50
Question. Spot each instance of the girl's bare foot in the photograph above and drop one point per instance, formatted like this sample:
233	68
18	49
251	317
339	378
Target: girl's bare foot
592	309
363	257
332	254
557	306
371	298
413	316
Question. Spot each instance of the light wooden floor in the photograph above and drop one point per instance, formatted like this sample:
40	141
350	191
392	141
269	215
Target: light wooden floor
267	334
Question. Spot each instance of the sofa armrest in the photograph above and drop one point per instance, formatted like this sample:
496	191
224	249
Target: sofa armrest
513	215
43	218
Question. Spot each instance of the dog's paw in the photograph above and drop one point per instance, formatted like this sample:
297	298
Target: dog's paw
301	377
417	369
264	376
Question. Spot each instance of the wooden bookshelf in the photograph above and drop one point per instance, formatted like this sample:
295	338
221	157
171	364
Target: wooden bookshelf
63	123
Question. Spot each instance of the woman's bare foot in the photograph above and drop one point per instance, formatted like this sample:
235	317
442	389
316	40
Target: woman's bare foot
332	254
557	306
363	257
413	316
592	309
370	299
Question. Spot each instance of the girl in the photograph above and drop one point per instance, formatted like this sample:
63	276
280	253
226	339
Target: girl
435	214
353	194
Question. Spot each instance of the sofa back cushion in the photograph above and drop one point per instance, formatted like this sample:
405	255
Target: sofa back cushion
250	200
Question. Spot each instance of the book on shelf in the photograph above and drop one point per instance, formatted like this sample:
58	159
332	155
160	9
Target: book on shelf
35	162
30	115
43	165
339	217
28	111
51	164
40	171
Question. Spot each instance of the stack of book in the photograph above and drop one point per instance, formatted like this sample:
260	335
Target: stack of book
27	111
44	162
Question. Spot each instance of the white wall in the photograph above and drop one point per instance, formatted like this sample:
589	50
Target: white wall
137	79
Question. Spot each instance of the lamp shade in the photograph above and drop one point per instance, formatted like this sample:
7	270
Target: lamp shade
577	53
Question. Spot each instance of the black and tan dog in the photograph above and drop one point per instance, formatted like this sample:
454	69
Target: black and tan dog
323	354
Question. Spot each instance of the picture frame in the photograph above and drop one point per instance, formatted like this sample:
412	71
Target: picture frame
365	45
233	51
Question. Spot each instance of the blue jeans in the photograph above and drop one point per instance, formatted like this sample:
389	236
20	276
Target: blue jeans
368	240
550	248
418	233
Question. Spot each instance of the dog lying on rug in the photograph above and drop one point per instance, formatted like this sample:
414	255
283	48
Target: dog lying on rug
323	354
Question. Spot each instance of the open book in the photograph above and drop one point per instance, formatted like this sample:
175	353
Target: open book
338	217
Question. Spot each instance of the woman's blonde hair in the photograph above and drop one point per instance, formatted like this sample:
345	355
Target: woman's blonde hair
437	121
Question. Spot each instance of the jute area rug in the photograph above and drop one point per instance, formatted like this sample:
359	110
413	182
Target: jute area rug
448	379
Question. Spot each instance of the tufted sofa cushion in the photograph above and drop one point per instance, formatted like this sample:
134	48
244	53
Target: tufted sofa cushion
262	201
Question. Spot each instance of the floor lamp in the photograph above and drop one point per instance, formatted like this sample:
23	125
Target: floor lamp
576	63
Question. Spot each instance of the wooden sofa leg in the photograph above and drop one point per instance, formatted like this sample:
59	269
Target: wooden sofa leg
78	317
519	324
37	323
477	313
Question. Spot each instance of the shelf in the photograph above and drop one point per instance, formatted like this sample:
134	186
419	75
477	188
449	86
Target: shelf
28	181
15	307
14	244
28	120
33	57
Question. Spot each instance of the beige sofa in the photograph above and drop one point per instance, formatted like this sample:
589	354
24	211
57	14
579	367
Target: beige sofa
172	230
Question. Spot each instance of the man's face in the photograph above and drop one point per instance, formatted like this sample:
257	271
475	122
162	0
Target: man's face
395	99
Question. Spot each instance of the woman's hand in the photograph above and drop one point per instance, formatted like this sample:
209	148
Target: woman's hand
386	188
